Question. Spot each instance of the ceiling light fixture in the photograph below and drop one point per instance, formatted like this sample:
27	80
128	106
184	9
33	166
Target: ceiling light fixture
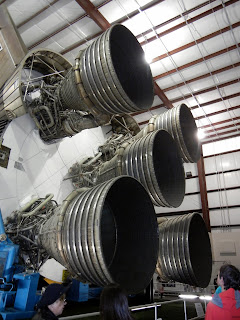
206	298
188	296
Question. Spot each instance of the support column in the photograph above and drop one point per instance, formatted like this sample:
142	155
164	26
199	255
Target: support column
203	191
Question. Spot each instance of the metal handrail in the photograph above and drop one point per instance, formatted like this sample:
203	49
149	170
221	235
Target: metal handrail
134	308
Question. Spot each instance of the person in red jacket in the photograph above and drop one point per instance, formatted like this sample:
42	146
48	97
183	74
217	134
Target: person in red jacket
226	305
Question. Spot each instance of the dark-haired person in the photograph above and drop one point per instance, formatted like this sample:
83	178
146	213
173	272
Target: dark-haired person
226	305
52	302
114	304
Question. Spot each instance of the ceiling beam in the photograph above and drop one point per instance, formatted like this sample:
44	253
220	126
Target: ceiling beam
171	30
219	129
221	134
192	63
222	138
36	14
184	13
193	43
159	92
221	154
130	15
206	75
94	14
218	112
179	49
231	96
191	20
136	12
234	95
219	122
196	93
77	44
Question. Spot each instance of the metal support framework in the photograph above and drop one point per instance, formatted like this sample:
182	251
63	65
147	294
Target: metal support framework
206	75
234	124
191	20
222	85
203	191
192	63
218	112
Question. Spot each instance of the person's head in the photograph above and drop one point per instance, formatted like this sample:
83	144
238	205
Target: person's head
229	277
54	299
114	303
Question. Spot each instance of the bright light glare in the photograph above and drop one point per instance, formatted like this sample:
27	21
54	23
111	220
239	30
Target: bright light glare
148	58
208	298
151	50
200	134
188	296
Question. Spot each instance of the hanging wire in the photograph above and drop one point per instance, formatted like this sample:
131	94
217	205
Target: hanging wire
179	71
229	23
195	98
63	17
218	177
220	194
218	174
235	42
226	197
204	60
216	85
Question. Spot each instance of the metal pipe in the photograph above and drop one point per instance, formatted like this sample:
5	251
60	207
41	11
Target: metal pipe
37	208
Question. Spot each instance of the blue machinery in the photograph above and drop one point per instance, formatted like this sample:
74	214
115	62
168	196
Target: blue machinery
18	289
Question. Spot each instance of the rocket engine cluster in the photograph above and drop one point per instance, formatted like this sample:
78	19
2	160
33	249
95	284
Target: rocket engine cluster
106	230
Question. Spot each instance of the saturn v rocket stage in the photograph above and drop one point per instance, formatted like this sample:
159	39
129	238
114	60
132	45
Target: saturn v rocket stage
106	230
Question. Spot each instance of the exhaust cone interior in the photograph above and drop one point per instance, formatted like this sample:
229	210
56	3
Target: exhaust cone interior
189	134
168	169
200	251
128	233
185	250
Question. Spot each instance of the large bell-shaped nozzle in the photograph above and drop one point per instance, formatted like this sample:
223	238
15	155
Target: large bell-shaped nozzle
179	122
107	234
185	250
111	76
154	161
